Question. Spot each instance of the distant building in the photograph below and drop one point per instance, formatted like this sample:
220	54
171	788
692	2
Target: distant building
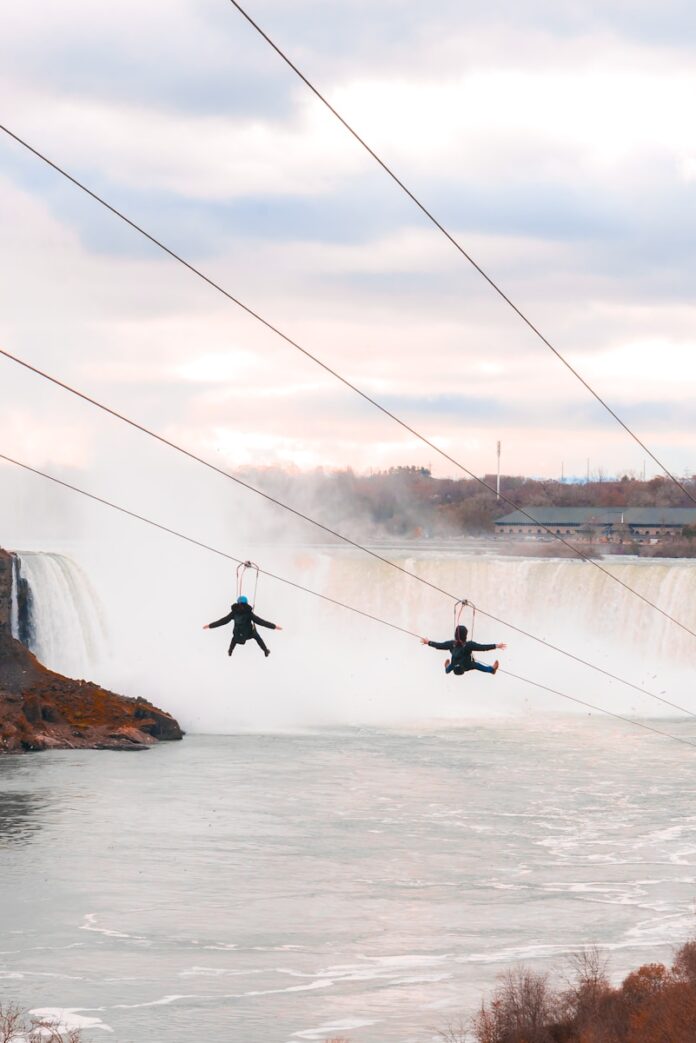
614	524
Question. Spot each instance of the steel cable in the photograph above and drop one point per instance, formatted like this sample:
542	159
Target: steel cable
308	590
314	358
387	561
448	235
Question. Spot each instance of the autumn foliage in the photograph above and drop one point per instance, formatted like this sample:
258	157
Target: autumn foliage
410	501
654	1004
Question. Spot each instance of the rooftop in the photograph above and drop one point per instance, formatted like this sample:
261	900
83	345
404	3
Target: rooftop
602	516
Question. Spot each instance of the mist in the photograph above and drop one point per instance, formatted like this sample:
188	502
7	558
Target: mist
330	667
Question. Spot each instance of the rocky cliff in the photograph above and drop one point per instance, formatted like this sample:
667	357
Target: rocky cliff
40	709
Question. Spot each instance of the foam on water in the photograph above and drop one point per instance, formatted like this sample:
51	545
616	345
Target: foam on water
330	1028
64	1020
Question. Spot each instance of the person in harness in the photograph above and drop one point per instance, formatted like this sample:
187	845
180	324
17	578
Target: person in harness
462	660
245	623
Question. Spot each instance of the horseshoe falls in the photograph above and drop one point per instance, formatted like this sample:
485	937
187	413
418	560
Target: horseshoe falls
560	600
330	666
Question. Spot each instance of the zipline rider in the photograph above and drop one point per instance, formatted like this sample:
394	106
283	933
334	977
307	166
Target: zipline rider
245	623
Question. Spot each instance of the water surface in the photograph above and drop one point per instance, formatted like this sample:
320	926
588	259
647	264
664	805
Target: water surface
361	883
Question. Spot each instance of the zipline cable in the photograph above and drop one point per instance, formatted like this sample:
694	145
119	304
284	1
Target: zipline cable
314	358
387	561
333	532
319	362
448	235
581	702
308	590
199	543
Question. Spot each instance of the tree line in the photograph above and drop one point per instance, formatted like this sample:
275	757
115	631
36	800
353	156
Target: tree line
410	501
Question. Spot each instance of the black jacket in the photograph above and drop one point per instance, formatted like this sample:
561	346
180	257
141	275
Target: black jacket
461	653
244	621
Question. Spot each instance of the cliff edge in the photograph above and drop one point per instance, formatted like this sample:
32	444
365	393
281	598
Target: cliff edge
41	709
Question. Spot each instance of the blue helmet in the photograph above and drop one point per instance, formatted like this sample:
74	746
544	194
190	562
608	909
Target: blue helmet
242	600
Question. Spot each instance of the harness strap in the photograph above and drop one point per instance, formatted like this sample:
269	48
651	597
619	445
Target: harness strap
242	570
459	607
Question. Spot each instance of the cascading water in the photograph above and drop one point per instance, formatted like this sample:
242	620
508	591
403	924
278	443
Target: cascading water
21	606
568	602
329	666
14	603
57	615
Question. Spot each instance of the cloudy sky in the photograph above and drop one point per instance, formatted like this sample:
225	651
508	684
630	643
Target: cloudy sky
556	139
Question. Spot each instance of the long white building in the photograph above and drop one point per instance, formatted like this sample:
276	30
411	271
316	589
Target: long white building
637	523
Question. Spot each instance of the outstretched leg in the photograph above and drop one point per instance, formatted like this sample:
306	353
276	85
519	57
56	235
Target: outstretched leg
232	647
261	643
483	668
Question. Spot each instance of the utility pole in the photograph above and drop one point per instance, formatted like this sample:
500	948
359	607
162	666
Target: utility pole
497	484
588	471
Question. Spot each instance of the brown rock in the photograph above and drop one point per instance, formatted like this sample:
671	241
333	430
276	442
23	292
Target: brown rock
41	709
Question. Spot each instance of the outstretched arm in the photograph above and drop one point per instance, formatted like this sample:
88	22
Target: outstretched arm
262	623
218	622
484	648
446	646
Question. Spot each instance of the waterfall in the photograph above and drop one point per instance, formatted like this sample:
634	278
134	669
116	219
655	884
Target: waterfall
330	666
565	601
58	614
14	603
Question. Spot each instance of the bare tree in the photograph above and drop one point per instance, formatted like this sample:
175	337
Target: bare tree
588	989
16	1025
455	1032
523	1009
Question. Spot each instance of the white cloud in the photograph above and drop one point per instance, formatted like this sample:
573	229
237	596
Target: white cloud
42	441
688	168
197	156
488	133
654	367
596	113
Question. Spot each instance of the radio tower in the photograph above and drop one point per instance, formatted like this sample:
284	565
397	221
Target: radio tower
497	484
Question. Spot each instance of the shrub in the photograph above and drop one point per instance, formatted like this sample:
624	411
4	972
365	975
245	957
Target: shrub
654	1004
